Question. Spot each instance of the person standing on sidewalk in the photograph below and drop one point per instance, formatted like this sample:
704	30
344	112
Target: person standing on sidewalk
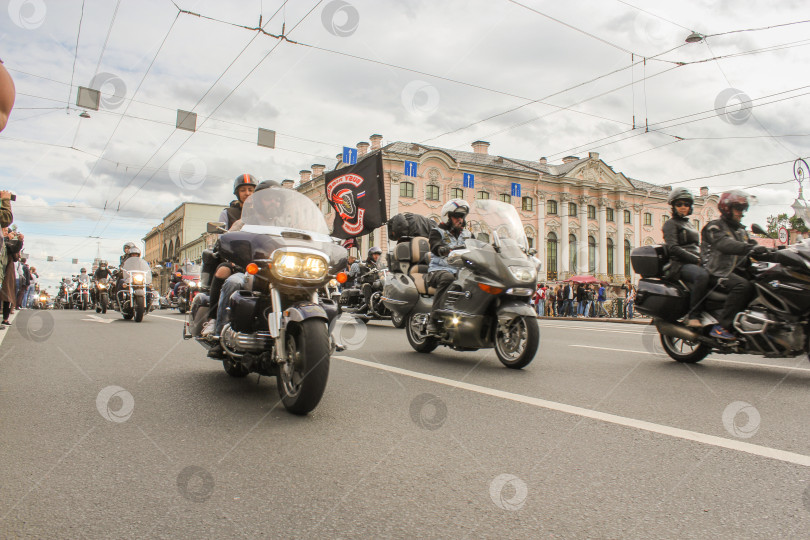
540	299
629	298
600	302
30	294
560	300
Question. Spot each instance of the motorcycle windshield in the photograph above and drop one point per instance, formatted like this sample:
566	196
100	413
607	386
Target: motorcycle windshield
136	265
487	217
283	208
84	278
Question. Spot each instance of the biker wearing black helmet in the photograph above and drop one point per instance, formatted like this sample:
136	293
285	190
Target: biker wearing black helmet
370	264
683	242
243	187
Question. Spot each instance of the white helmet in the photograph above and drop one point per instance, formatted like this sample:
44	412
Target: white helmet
457	207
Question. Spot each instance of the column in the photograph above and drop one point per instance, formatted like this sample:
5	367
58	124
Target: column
602	266
541	234
619	216
563	240
583	234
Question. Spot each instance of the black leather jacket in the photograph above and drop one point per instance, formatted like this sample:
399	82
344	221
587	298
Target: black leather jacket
683	242
725	245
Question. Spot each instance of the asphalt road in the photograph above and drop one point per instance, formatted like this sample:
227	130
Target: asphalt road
120	429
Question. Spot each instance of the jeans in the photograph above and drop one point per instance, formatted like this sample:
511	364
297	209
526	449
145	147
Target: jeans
628	309
600	309
234	283
28	297
541	307
567	307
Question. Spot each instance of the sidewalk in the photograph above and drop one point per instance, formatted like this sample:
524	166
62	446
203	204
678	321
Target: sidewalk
637	320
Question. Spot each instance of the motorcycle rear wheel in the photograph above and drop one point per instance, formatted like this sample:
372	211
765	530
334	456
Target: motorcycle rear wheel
140	307
686	352
419	342
517	349
301	379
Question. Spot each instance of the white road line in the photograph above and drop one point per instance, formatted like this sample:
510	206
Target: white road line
711	440
792	368
169	318
591	329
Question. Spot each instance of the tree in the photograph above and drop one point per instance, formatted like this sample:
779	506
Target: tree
782	220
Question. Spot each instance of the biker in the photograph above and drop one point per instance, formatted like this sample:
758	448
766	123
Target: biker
226	282
125	256
683	241
133	251
450	234
370	264
243	187
102	272
725	248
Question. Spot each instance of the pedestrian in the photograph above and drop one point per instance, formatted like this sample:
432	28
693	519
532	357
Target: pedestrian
30	294
560	300
590	294
581	300
13	244
600	301
540	299
629	299
568	300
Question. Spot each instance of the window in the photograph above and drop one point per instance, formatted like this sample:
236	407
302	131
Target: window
482	195
456	193
591	212
406	189
527	204
610	256
591	255
505	197
627	216
551	256
664	219
572	253
530	242
609	214
551	208
432	193
627	250
696	223
572	209
647	218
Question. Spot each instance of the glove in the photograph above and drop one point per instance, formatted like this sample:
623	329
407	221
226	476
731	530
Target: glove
759	251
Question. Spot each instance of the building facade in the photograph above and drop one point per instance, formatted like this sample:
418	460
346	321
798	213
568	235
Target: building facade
581	216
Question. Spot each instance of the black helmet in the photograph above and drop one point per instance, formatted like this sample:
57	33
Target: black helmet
267	184
681	194
243	180
373	251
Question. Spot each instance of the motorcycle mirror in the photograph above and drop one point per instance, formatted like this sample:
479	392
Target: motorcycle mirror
496	241
756	229
216	227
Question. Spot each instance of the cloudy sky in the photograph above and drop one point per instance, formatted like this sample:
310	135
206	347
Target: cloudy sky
534	78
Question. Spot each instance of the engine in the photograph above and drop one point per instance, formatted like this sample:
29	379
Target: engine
241	342
767	333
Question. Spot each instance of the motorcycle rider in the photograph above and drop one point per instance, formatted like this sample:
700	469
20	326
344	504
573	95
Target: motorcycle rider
102	272
83	277
373	256
725	248
683	241
449	235
133	251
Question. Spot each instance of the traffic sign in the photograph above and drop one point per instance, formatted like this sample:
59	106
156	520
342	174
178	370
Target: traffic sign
515	189
349	155
410	168
469	180
783	235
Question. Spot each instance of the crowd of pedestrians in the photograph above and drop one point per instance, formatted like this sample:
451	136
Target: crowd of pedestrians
583	300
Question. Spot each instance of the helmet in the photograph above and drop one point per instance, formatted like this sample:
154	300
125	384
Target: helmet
84	270
681	194
730	199
455	207
135	251
374	251
267	184
243	180
102	264
129	245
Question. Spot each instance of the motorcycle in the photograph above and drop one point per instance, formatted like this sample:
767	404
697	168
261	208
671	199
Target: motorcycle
352	299
136	293
488	303
774	324
80	297
102	295
278	326
188	289
62	300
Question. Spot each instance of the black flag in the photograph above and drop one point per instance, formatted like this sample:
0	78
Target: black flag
357	194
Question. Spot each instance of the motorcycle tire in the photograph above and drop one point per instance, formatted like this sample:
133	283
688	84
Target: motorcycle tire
127	316
398	320
301	380
181	309
419	343
84	305
140	308
234	368
675	349
98	309
104	302
518	355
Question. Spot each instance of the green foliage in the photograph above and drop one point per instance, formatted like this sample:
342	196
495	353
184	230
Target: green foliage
782	220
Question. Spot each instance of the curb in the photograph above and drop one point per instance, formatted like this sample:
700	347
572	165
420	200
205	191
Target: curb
598	319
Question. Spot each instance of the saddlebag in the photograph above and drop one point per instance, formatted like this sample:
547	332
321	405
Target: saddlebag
656	298
243	311
649	261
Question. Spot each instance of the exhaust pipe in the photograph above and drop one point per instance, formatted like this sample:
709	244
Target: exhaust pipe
676	330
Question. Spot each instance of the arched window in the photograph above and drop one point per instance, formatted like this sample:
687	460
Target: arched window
432	192
482	195
165	251
551	256
610	256
627	250
456	193
572	253
505	197
171	249
406	189
591	255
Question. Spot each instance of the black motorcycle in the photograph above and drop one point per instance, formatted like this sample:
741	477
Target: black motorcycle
102	294
135	296
277	324
353	301
488	303
188	289
80	297
775	323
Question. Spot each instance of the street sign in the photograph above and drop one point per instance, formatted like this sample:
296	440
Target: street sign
75	261
410	168
783	235
349	155
515	189
267	138
469	180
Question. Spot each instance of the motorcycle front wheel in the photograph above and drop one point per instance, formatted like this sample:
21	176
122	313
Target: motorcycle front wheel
516	342
301	379
104	304
686	352
140	308
413	330
84	305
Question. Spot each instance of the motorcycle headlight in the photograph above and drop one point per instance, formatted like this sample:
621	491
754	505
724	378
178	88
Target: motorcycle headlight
102	286
287	264
523	273
333	283
192	284
137	278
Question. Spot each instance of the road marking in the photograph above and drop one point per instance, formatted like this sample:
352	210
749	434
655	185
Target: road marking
591	329
96	318
678	433
168	318
707	359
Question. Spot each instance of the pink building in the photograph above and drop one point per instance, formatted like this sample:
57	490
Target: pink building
580	215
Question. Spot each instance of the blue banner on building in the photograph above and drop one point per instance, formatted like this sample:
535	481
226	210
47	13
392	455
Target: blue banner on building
410	168
469	180
515	189
349	155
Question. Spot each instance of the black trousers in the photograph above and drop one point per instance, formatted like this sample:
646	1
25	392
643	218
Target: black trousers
697	278
740	293
441	281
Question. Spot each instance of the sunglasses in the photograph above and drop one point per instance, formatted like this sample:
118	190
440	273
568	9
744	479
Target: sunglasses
677	204
740	207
